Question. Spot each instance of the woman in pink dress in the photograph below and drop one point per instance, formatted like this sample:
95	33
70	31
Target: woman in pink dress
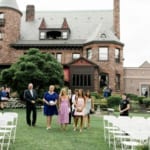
79	109
64	107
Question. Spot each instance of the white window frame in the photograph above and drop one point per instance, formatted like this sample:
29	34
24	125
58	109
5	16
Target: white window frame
117	55
42	35
89	54
103	53
64	35
59	57
1	15
76	55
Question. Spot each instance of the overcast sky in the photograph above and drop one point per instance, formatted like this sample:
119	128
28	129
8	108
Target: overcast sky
134	24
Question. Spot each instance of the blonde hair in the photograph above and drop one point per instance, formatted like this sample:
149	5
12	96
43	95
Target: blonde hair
63	92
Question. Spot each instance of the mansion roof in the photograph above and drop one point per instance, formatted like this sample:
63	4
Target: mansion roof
85	27
9	4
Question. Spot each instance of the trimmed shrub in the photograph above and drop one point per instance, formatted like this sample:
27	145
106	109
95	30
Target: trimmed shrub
96	95
103	103
143	147
134	106
146	102
140	98
113	101
133	96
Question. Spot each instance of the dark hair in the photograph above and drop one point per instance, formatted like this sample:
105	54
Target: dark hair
81	93
88	91
124	94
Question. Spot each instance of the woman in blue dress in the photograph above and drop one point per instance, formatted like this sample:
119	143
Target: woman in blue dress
50	101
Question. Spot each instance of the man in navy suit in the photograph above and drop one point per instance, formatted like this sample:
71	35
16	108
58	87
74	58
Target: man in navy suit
30	96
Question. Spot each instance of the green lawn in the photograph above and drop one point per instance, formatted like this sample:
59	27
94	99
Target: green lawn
38	138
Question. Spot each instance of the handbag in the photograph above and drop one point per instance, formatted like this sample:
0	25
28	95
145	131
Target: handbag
91	111
72	112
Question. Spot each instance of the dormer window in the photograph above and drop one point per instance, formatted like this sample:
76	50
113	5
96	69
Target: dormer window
53	35
42	35
2	19
103	36
61	33
64	35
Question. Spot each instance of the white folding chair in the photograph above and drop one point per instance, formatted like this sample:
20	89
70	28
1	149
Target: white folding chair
138	131
5	133
119	134
1	114
107	123
110	128
13	118
2	137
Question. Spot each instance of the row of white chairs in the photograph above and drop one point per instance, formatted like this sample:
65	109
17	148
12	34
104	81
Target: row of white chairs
125	132
8	126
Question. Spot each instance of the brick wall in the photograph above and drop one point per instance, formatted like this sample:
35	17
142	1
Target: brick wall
116	16
110	67
11	32
134	78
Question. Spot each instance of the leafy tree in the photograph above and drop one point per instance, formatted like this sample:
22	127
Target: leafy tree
41	69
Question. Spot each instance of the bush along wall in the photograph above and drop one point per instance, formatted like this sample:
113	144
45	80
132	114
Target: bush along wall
113	101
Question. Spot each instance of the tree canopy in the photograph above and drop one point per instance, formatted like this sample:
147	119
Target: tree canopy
41	69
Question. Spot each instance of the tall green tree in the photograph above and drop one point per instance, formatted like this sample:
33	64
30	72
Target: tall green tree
41	69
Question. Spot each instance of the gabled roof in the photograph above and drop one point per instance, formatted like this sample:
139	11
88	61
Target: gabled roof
43	24
65	24
146	64
84	60
9	4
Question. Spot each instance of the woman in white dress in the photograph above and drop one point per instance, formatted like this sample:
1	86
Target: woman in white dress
89	107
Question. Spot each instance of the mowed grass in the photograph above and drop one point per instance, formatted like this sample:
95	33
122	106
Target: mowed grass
38	138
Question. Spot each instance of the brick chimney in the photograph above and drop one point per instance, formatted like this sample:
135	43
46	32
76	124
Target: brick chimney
30	13
116	16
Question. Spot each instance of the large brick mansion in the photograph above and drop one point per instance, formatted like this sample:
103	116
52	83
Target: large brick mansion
86	43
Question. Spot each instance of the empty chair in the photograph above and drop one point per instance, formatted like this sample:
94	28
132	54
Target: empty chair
5	133
13	118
